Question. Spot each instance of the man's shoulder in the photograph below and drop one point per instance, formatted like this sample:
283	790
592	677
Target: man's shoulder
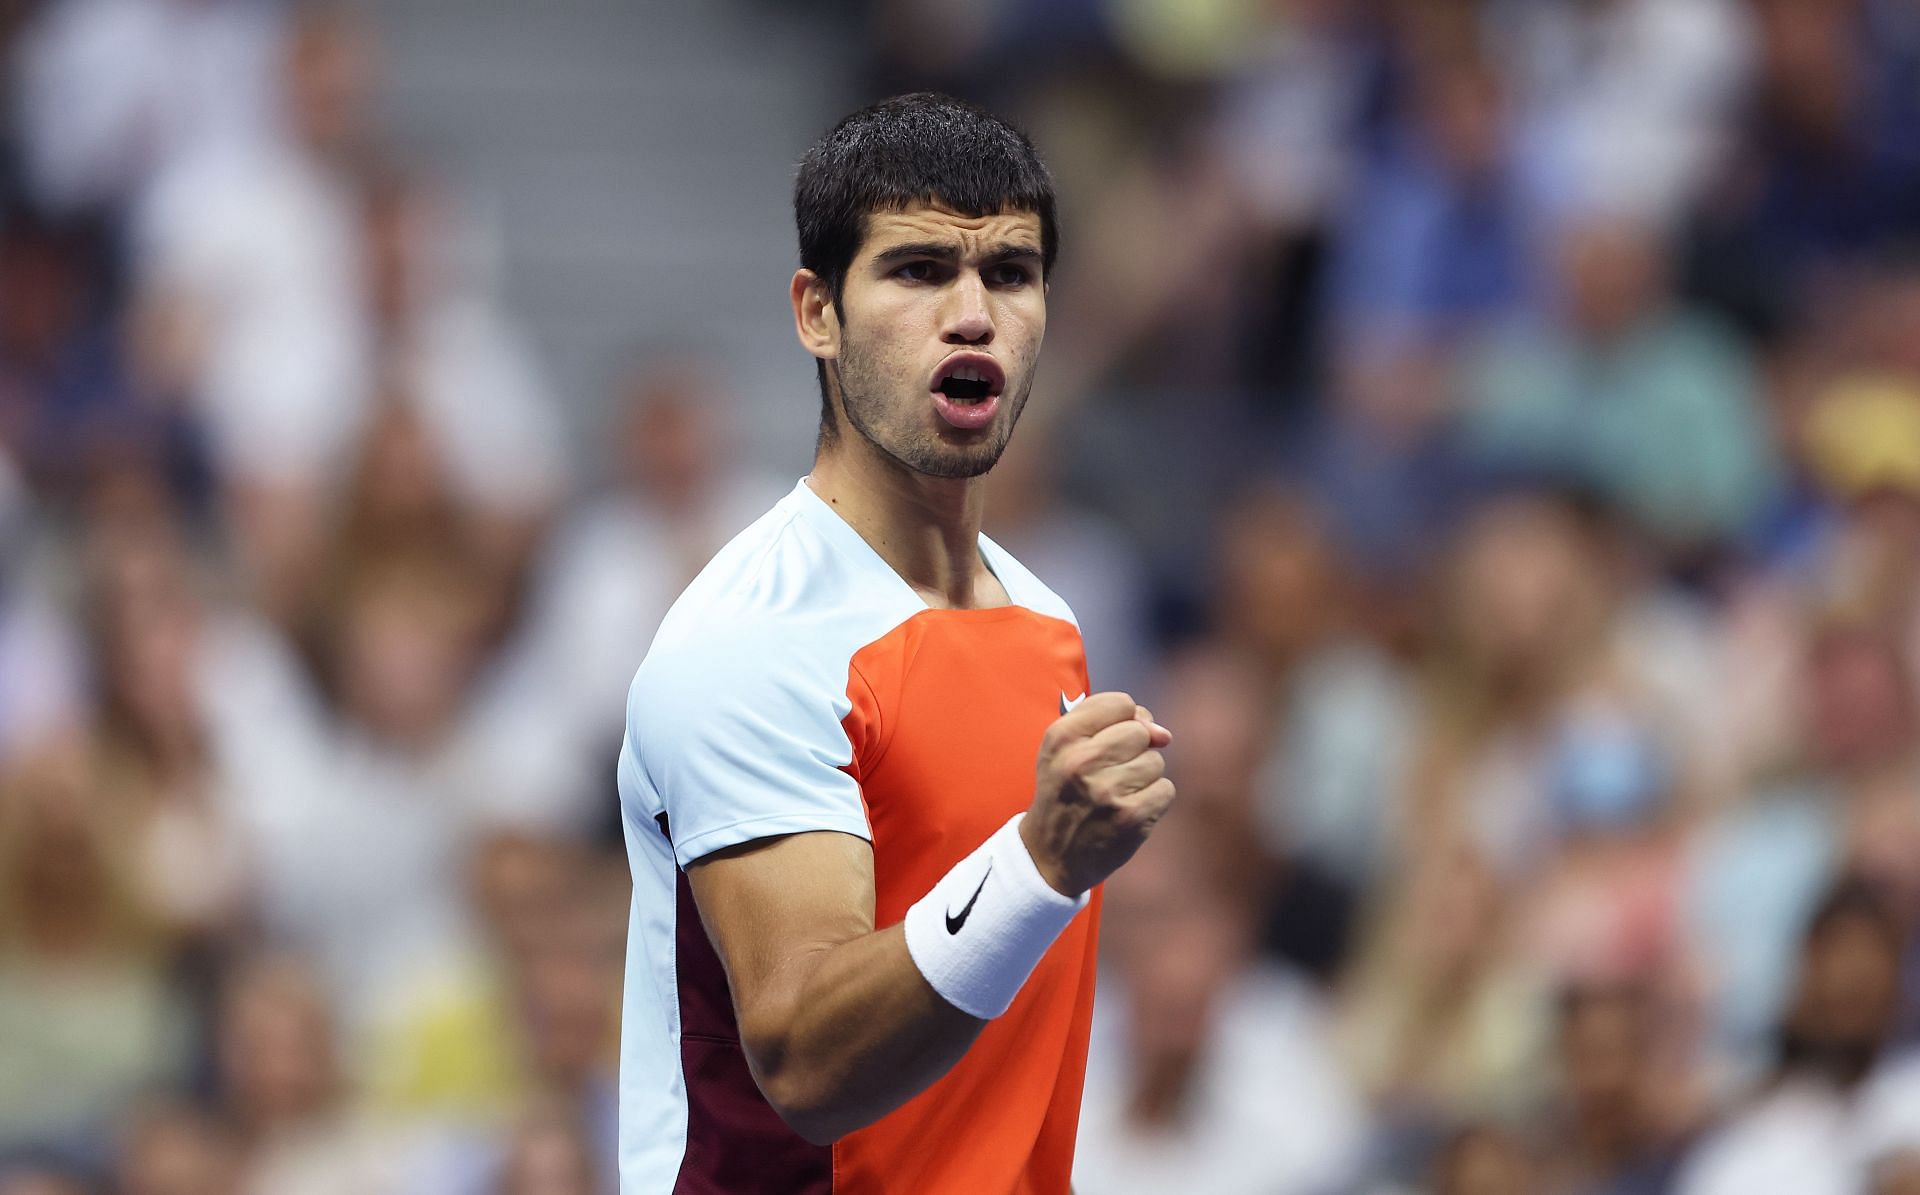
779	577
744	581
779	604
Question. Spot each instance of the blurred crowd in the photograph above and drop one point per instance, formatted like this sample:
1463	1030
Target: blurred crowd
1488	432
1540	644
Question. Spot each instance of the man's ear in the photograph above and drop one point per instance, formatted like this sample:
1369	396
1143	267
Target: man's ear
815	319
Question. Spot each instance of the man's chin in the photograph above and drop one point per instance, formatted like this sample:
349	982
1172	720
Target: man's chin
956	466
945	459
950	454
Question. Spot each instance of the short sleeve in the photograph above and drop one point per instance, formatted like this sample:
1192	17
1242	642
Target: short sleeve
743	740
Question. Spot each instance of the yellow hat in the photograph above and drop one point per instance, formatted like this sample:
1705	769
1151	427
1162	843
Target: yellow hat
1863	434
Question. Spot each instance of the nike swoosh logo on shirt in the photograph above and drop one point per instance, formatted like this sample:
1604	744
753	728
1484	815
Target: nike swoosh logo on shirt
955	922
1066	705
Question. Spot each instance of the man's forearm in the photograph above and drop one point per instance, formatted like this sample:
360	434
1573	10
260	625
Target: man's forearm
856	1034
842	1024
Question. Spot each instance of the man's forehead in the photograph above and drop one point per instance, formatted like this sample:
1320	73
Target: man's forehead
931	222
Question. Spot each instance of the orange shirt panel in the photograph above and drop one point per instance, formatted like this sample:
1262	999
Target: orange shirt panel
949	709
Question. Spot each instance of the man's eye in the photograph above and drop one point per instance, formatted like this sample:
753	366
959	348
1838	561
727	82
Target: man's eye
1009	275
916	271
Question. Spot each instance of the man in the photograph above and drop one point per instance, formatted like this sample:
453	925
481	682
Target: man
865	792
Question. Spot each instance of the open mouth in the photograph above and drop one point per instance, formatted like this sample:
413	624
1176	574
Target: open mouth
966	391
969	378
961	388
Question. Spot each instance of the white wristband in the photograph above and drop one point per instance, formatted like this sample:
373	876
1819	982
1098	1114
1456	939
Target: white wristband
982	929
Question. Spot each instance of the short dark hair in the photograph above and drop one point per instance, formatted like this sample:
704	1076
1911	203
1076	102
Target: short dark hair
1854	900
912	149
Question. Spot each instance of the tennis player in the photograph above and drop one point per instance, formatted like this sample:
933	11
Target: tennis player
866	793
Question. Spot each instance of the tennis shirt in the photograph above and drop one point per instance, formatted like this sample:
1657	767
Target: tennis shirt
800	684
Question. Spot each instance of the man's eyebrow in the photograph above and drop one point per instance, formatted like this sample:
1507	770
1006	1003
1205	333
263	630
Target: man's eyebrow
935	249
944	251
1014	252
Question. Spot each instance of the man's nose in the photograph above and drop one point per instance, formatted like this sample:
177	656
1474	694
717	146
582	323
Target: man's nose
968	320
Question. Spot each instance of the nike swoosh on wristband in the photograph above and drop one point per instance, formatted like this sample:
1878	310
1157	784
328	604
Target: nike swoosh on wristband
955	922
1066	705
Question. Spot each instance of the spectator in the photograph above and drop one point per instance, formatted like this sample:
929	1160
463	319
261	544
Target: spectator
1337	711
1208	1069
399	507
1485	1161
1643	401
569	1020
461	367
1622	1115
1838	1100
154	648
281	1080
1287	125
1825	174
249	280
114	92
1435	239
551	1154
1860	436
1224	699
452	1045
1629	103
534	1018
1534	659
677	492
1840	807
1442	1016
1380	459
88	1019
177	1149
1101	574
65	397
371	810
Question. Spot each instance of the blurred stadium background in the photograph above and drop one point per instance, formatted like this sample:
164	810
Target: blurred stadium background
1487	430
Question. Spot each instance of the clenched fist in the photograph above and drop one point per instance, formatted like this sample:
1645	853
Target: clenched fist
1102	785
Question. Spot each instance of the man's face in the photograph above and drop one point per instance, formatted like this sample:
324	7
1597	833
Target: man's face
941	318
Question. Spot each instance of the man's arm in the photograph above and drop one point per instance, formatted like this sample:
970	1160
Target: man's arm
839	1023
839	1026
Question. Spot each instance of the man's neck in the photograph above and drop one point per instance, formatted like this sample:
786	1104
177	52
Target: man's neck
926	528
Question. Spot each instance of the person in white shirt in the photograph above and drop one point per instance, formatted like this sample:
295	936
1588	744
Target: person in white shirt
1208	1069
